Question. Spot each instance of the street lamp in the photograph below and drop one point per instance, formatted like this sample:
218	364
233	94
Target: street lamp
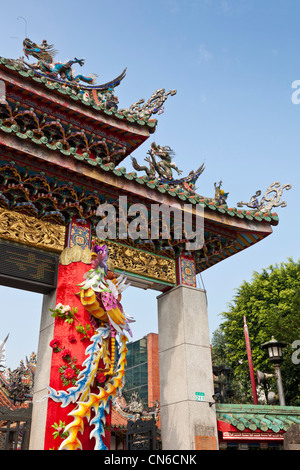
274	348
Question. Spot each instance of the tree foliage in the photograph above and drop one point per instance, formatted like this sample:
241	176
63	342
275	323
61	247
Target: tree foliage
271	305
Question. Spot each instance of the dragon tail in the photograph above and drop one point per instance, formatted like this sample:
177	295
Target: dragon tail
99	403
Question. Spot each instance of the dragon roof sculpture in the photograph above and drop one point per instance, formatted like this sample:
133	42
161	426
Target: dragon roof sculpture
62	74
45	54
162	169
269	200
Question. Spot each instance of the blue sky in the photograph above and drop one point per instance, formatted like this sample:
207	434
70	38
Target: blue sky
233	63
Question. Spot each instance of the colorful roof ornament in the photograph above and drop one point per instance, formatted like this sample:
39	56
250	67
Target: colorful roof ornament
135	409
62	77
268	201
162	170
45	54
153	106
220	195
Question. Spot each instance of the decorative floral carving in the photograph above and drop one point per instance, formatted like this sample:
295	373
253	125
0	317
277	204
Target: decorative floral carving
31	231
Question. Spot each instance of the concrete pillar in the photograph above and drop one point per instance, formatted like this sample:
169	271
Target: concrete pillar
188	422
42	375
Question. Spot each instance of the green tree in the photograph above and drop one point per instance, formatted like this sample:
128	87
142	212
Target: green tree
271	305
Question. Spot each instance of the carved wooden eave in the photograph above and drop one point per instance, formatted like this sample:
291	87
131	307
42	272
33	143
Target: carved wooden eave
79	113
240	233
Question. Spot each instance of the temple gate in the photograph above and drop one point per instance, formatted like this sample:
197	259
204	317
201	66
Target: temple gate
62	142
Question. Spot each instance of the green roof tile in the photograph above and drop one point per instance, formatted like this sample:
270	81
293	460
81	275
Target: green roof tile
72	93
143	180
260	417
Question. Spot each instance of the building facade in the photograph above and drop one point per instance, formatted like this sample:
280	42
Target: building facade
240	426
142	370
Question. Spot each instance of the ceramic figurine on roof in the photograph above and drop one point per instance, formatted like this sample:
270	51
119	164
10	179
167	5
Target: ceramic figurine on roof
220	195
45	55
60	76
62	73
135	409
162	170
188	183
268	201
153	106
158	169
21	380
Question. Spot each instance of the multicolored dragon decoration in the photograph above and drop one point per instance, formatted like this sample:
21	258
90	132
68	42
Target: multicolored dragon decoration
100	294
102	95
45	54
163	169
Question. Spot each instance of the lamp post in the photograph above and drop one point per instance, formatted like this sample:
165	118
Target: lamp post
274	348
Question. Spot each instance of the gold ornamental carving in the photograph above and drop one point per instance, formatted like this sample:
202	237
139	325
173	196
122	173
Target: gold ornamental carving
21	228
139	262
74	254
26	230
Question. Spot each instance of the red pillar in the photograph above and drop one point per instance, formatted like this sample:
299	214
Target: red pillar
70	353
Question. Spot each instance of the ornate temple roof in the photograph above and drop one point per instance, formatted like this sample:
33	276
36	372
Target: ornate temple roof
265	418
118	422
5	402
89	97
60	78
72	138
228	229
242	418
163	188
